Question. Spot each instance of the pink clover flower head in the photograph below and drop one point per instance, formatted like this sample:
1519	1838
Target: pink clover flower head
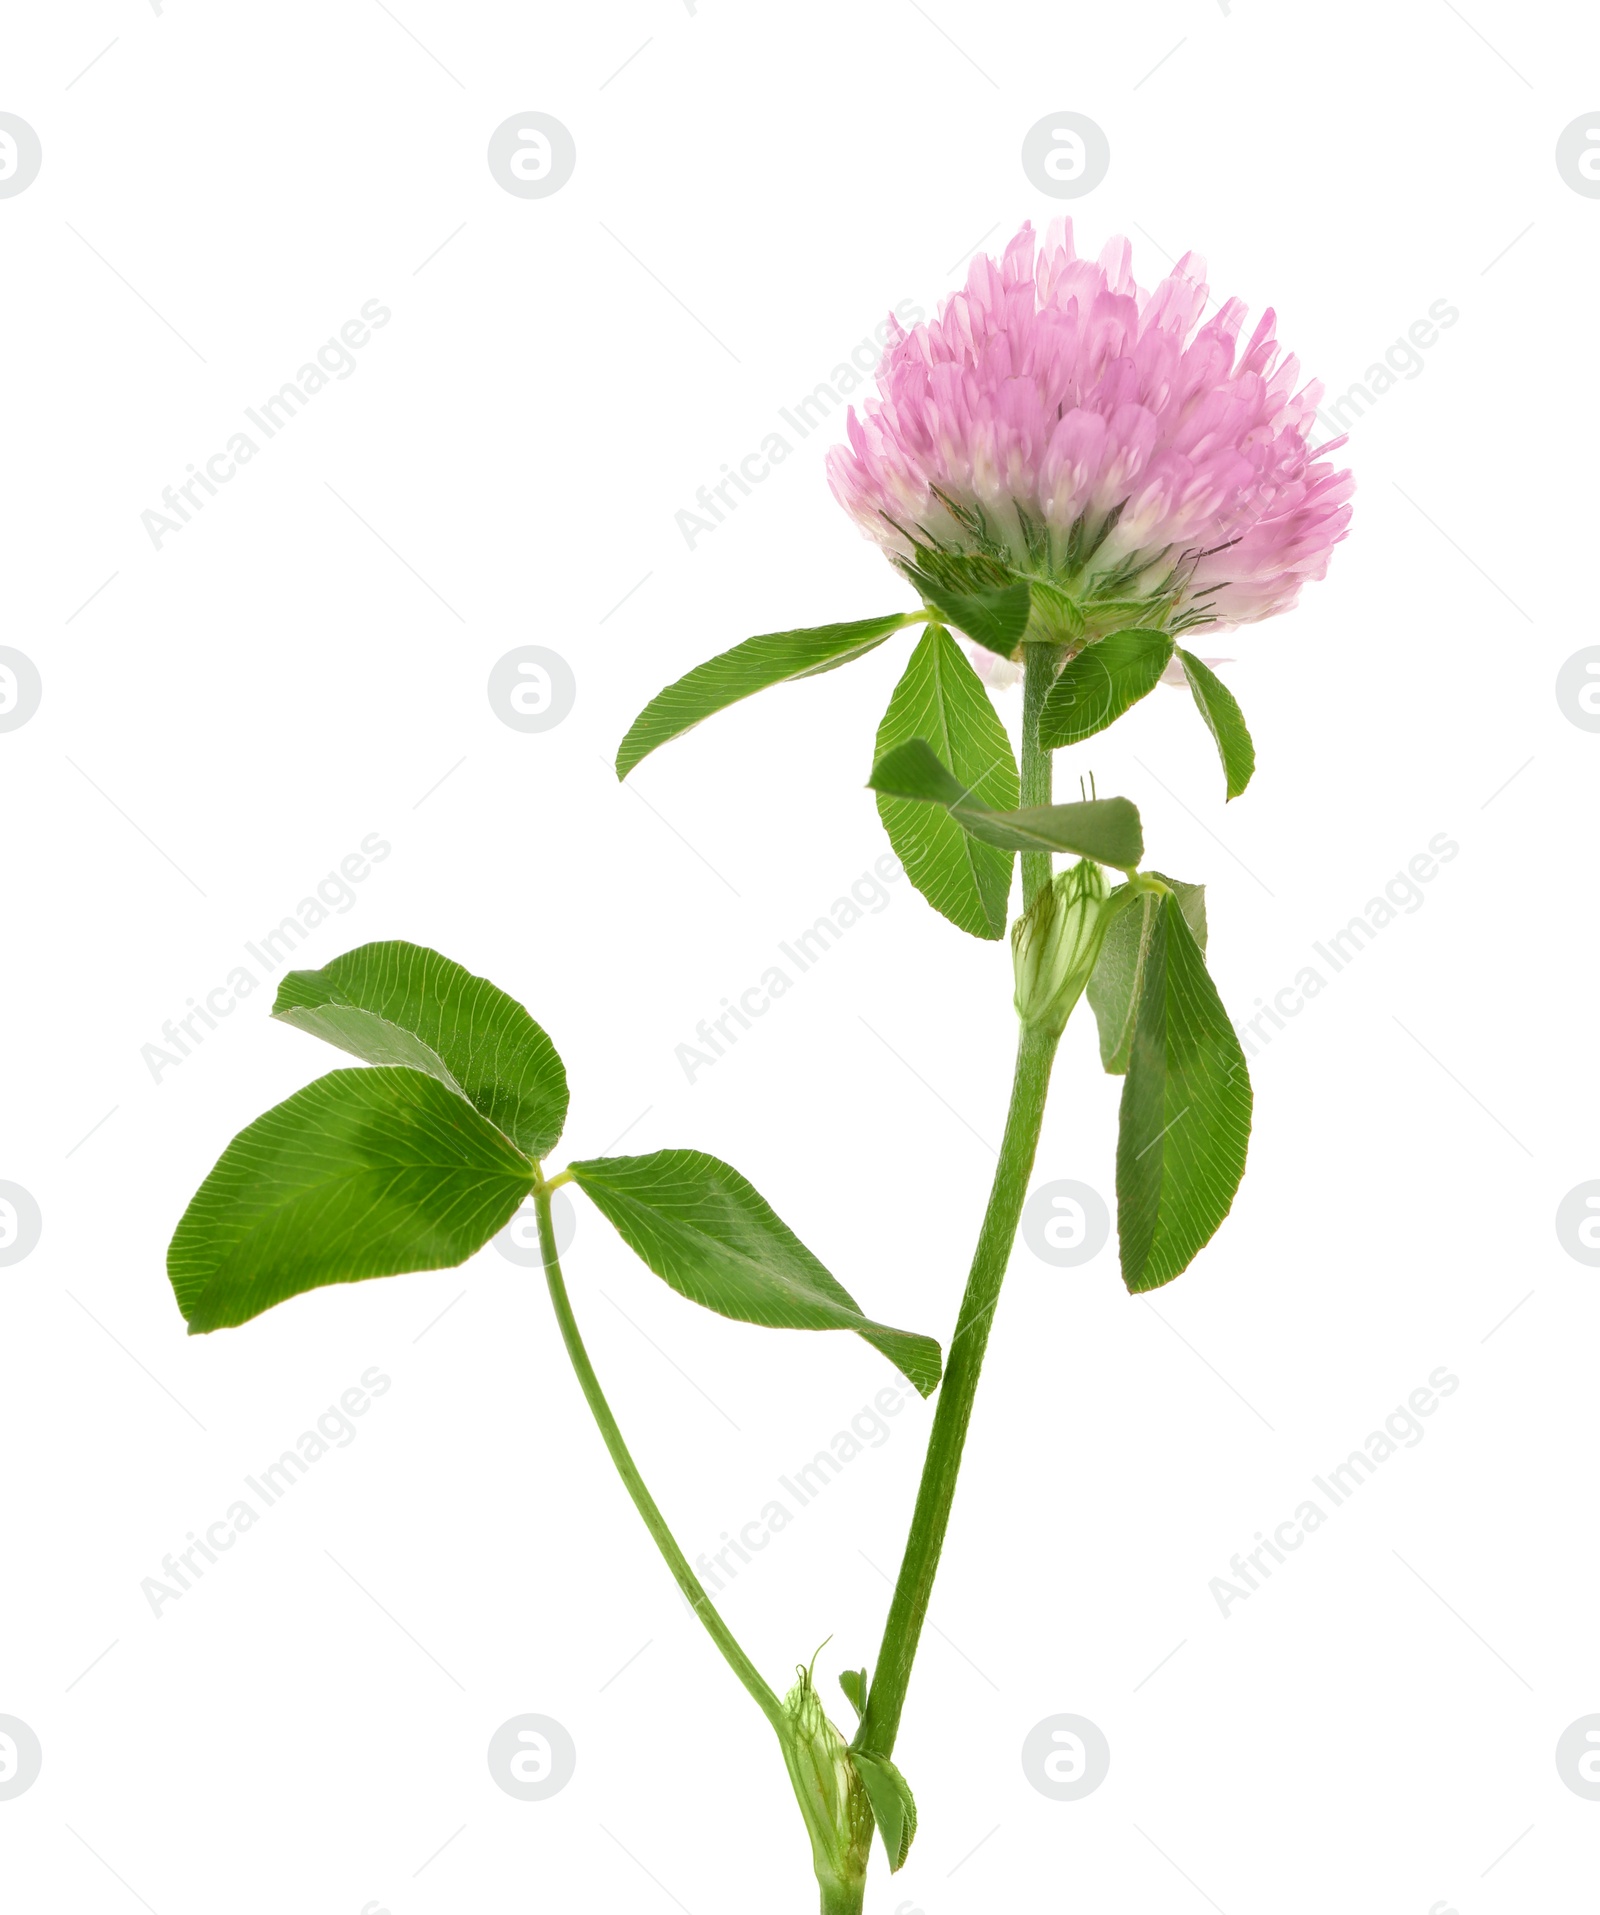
1054	421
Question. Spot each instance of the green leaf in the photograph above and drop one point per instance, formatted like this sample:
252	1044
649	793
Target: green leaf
1099	685
976	597
911	770
365	1173
1224	720
1114	984
706	1231
1056	615
396	1003
1106	829
1184	1126
772	659
940	700
854	1683
893	1808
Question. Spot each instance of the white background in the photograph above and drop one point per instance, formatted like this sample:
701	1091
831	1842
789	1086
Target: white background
1375	1727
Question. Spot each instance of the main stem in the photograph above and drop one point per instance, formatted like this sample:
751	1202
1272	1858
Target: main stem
643	1501
964	1361
1039	671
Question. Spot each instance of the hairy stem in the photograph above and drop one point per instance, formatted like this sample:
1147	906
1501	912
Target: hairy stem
936	1492
886	1697
1039	671
633	1482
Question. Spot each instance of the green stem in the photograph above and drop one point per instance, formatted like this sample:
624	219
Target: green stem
936	1492
1039	671
886	1697
633	1482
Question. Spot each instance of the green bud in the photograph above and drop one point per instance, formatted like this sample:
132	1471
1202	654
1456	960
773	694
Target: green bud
1055	945
832	1799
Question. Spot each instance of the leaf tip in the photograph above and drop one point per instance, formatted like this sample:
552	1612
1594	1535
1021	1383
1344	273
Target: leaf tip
930	1373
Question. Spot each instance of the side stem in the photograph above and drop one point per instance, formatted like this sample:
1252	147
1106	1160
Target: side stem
633	1482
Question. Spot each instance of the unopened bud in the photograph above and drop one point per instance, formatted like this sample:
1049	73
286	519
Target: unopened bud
832	1799
1055	945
